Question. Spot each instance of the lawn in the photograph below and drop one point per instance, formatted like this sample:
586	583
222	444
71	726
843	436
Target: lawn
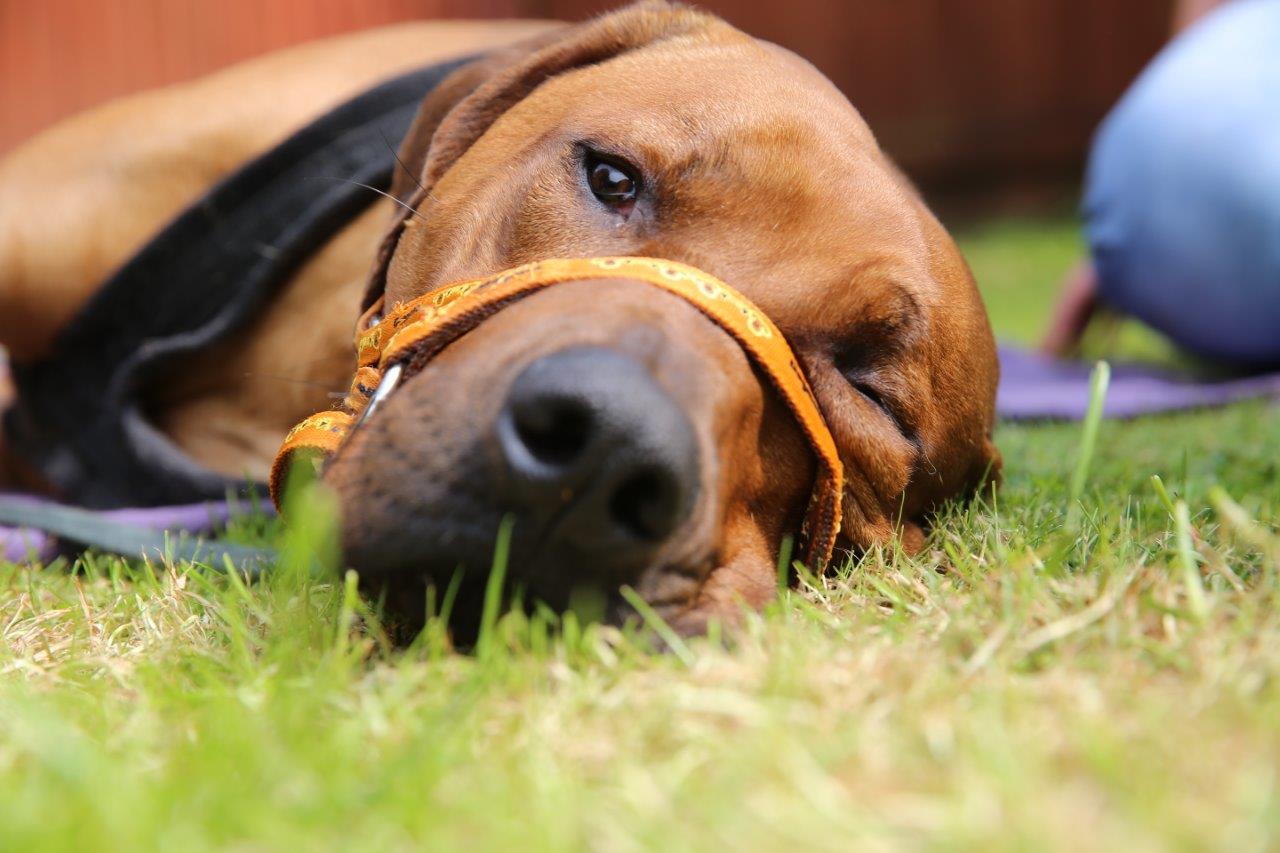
1056	673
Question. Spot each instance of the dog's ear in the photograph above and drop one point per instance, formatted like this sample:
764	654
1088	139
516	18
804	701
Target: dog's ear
451	91
469	101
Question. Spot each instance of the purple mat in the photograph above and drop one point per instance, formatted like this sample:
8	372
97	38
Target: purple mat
1032	387
1037	387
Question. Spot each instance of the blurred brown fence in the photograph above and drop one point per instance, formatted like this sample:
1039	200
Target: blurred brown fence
965	93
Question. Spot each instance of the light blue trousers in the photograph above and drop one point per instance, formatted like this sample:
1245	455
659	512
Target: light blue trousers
1182	194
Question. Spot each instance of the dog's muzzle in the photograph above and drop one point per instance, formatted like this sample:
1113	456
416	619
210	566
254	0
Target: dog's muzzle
392	344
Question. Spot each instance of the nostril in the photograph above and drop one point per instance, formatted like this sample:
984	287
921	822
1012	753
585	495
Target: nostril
597	453
555	431
647	505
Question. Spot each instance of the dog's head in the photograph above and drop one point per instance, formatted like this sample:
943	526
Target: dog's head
629	436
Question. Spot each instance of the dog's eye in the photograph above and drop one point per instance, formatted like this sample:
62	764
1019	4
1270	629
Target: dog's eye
874	394
852	364
614	184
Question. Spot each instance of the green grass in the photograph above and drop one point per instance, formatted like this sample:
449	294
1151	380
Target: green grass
1039	677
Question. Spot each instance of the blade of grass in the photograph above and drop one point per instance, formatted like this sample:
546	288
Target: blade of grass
1191	579
1165	500
784	560
346	615
1244	527
658	625
1212	559
451	595
1099	381
493	587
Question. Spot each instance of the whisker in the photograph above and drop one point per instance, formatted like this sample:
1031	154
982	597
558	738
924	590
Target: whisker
396	154
412	212
325	359
293	379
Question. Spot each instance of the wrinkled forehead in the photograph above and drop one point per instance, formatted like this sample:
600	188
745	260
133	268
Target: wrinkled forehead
696	90
751	123
739	130
728	107
720	89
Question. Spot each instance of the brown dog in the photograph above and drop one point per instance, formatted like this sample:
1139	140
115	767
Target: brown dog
628	435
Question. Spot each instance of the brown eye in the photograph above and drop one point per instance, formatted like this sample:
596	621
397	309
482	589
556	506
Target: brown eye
612	184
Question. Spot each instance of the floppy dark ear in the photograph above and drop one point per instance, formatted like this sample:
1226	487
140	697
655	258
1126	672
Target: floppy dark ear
471	99
452	91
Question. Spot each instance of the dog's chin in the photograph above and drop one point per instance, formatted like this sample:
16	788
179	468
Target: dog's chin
450	567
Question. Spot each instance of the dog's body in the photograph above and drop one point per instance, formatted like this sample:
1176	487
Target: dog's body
751	165
80	199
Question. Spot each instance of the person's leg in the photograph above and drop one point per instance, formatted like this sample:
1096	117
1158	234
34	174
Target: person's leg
1077	305
1183	190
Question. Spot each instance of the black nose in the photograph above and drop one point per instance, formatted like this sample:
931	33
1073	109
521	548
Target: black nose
595	450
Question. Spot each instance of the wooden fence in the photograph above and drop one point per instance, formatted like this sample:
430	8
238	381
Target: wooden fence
962	92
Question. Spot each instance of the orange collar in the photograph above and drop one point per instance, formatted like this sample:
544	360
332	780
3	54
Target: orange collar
420	329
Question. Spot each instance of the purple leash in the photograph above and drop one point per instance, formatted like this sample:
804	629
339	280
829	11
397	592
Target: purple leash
32	528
